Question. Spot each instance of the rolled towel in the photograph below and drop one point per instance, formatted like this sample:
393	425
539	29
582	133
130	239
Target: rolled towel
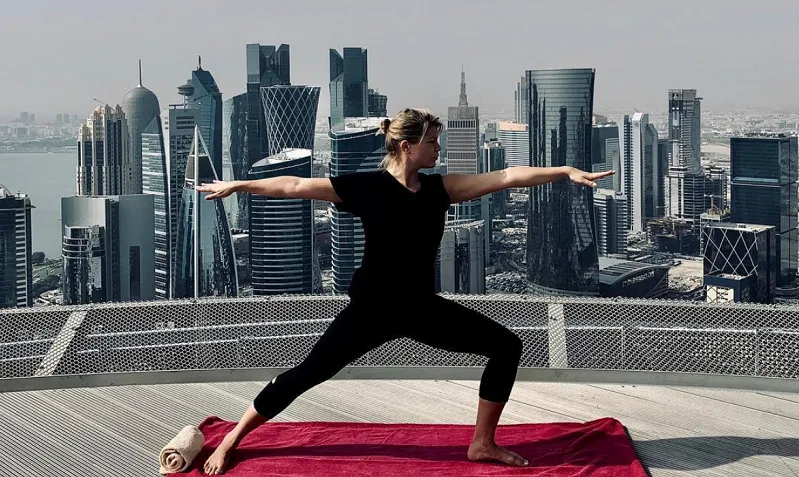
178	454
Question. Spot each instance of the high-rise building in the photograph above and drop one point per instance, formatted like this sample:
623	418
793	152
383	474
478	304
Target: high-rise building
516	139
108	249
16	269
521	102
140	106
267	65
104	166
740	262
494	159
764	192
606	154
461	258
178	123
716	188
610	208
282	233
685	182
685	127
155	182
355	148
205	263
207	98
290	112
561	245
639	148
662	171
378	104
235	157
463	149
349	85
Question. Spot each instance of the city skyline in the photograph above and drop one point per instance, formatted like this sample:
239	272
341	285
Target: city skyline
409	66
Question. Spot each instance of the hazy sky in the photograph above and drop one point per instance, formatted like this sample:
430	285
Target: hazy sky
57	55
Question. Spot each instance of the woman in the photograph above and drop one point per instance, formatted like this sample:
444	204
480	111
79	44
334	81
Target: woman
403	214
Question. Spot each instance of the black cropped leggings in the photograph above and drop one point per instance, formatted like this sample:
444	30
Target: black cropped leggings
434	321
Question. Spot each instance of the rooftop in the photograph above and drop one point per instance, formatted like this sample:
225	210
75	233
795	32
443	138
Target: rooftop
729	433
703	389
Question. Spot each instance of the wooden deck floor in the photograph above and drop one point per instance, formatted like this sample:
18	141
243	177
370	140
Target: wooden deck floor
677	431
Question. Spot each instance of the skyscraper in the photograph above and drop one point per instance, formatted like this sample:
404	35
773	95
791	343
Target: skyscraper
463	149
178	123
354	148
16	269
267	65
207	98
516	140
606	155
349	85
140	106
521	102
235	157
561	248
205	263
282	230
461	258
104	166
108	249
155	182
290	112
764	192
685	183
378	104
610	208
739	262
639	154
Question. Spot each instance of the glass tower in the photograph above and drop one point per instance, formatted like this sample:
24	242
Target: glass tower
281	237
354	148
561	247
207	98
349	85
764	192
16	269
205	263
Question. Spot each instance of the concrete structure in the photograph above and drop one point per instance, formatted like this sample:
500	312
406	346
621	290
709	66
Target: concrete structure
108	249
104	166
16	268
461	262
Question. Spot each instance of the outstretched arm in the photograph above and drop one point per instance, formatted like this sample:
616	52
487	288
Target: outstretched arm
282	186
463	187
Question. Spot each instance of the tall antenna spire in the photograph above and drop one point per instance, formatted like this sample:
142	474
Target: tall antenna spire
463	101
139	71
199	62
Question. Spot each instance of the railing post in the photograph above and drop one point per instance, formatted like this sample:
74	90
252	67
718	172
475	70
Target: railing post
558	357
61	344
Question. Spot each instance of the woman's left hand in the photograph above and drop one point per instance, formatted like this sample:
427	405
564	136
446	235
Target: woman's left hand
587	178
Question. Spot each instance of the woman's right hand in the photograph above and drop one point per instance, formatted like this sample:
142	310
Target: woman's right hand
218	189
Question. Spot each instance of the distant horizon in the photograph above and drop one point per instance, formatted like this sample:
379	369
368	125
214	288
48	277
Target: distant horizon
59	56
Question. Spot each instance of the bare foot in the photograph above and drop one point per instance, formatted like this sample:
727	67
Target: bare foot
217	462
482	451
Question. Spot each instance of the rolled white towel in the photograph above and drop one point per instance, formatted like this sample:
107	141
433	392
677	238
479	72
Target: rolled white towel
179	453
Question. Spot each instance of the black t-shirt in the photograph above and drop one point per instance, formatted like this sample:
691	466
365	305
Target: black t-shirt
402	228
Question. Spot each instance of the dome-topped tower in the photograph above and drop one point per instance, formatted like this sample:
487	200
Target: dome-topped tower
140	106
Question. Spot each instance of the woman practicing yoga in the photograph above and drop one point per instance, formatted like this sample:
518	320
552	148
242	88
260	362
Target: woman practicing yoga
392	294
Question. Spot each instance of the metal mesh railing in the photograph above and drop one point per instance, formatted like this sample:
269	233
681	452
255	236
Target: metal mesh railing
278	332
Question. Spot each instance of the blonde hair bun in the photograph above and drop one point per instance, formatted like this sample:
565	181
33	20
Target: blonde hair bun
384	125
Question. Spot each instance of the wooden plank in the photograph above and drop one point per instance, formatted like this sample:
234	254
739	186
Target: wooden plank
662	440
